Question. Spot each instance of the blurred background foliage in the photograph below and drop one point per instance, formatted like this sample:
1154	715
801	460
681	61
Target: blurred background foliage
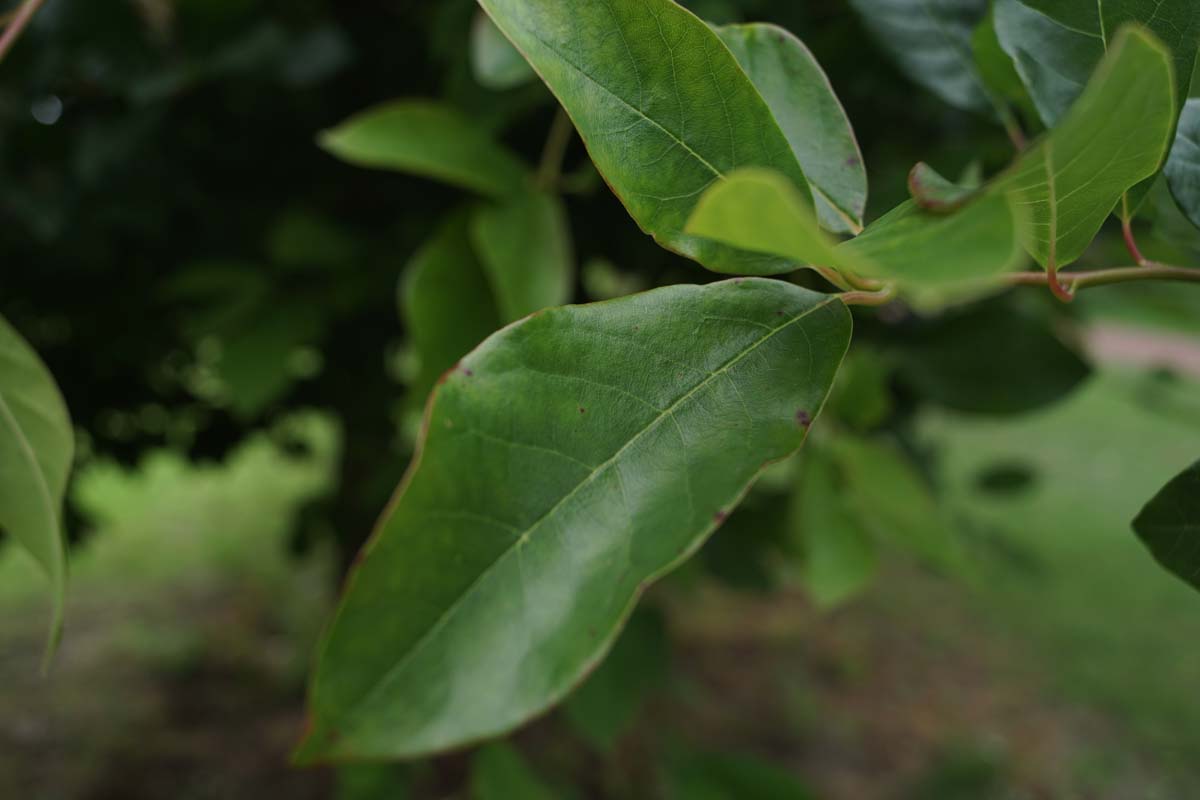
940	600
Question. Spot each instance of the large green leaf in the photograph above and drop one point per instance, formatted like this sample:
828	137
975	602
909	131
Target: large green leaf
1115	136
430	139
37	446
757	210
931	41
796	88
447	304
524	244
569	461
1183	167
1170	525
662	105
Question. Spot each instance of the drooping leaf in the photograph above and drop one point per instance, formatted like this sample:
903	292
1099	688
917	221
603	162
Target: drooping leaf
1170	525
429	139
524	244
991	358
1115	136
37	445
662	105
447	304
757	210
838	556
892	500
495	63
1183	167
499	772
570	460
812	118
931	41
608	702
695	775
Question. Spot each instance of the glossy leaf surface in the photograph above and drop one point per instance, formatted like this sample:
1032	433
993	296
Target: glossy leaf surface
37	446
1183	167
662	105
796	88
1170	525
570	460
1115	136
931	41
524	244
429	139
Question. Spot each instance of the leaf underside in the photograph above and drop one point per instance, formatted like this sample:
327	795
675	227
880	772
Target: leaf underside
1169	525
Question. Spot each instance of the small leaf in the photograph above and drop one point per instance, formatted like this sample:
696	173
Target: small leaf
931	42
933	192
499	772
495	63
429	139
838	556
812	118
524	244
661	104
606	705
37	446
447	303
1115	136
1170	525
572	459
1183	167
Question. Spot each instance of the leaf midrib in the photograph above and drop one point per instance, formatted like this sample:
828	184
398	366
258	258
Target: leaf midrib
446	615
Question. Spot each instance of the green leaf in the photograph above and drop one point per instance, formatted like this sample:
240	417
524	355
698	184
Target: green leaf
919	248
760	211
1183	167
429	139
933	192
607	704
1115	136
495	63
796	88
931	42
838	556
720	776
1170	525
524	244
37	445
1056	45
996	68
764	212
569	461
662	105
991	358
861	397
499	772
892	500
446	302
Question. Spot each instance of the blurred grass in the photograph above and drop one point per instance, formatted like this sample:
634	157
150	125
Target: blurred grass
1059	567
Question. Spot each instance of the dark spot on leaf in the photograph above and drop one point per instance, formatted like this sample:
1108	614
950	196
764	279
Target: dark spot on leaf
1006	478
803	418
582	410
467	372
637	328
591	632
853	161
779	313
720	517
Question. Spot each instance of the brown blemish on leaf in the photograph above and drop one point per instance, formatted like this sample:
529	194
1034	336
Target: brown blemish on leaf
720	516
853	161
582	410
803	418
